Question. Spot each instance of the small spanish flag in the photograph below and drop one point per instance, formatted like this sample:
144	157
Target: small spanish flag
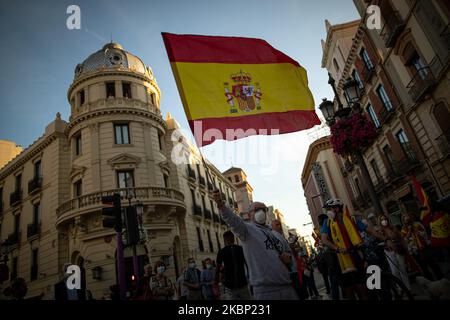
423	199
233	87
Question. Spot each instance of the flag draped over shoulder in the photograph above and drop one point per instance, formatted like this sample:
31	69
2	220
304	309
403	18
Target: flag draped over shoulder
232	87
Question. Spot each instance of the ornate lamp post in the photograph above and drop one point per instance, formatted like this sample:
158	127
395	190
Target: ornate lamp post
352	95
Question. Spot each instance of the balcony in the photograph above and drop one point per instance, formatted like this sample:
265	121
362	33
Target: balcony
15	197
202	181
87	203
367	73
421	83
386	115
392	28
34	184
13	239
407	165
33	230
191	173
442	142
208	214
197	210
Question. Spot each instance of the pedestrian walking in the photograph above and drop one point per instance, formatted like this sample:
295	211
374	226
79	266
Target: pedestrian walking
231	259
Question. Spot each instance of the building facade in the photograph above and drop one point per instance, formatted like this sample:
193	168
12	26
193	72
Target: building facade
323	178
8	150
402	72
244	191
115	141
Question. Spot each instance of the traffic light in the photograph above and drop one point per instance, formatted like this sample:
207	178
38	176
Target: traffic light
132	226
112	213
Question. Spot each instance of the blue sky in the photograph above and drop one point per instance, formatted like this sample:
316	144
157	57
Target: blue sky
39	55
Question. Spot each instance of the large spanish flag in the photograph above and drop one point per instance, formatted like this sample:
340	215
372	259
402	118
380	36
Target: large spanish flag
232	87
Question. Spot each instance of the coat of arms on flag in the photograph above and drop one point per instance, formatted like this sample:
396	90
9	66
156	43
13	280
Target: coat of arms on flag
247	96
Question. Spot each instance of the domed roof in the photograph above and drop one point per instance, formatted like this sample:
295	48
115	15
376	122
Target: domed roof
112	56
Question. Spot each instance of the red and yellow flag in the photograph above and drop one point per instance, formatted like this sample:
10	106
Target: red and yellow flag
423	199
232	87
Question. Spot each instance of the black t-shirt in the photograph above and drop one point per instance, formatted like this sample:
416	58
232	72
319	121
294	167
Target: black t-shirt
232	257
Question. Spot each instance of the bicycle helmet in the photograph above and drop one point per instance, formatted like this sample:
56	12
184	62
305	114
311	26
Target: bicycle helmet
332	203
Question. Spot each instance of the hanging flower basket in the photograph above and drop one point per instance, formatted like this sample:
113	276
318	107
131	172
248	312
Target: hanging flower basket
353	133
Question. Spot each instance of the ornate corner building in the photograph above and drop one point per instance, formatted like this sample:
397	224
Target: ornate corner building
116	141
403	73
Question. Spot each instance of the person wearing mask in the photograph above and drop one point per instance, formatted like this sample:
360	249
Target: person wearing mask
182	291
341	233
395	249
308	275
231	258
143	291
161	286
192	281
267	262
207	280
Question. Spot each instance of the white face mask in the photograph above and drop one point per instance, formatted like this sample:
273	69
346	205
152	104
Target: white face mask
384	223
331	214
260	216
161	269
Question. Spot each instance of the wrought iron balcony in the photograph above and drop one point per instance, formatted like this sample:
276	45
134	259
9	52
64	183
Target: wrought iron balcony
443	143
408	164
15	197
197	210
421	83
33	229
386	115
34	184
207	214
393	27
191	173
13	239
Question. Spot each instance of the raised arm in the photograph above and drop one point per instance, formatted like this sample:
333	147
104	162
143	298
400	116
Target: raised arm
236	223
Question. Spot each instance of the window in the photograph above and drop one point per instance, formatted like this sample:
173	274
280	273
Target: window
203	202
336	66
110	89
236	178
160	141
384	98
153	98
77	141
125	179
34	265
390	157
376	170
373	116
81	97
126	90
442	116
166	181
122	133
229	179
37	169
77	189
212	206
355	76
211	246
218	242
417	64
406	146
17	224
358	187
15	264
18	182
200	241
366	59
36	213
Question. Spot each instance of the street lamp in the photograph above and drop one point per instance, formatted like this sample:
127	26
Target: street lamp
352	95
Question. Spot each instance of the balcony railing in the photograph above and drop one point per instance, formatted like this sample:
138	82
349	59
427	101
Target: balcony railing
15	197
191	173
91	200
408	164
34	184
197	210
202	181
386	115
392	28
443	144
32	230
421	83
13	239
208	214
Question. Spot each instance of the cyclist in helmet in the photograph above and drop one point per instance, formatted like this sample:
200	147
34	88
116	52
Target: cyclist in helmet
341	233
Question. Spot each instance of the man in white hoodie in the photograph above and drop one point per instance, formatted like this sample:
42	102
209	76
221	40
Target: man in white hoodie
264	252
